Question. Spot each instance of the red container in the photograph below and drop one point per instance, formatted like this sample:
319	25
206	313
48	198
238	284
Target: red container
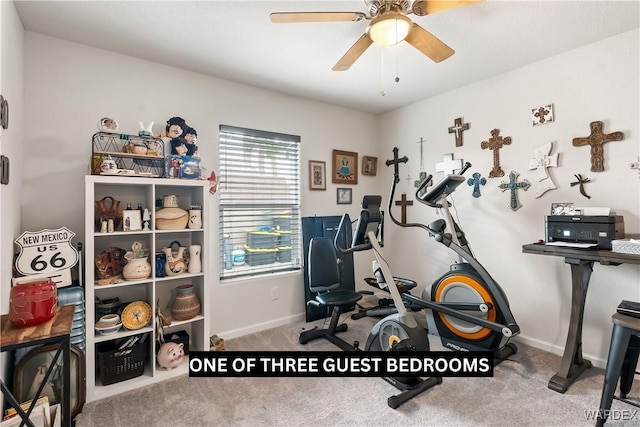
32	303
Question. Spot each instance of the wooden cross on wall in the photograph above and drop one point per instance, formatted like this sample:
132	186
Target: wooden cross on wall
404	203
512	185
596	140
494	144
457	128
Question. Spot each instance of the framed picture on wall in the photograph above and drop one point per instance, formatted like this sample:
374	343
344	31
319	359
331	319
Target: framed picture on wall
369	165
131	220
344	196
317	175
345	167
32	368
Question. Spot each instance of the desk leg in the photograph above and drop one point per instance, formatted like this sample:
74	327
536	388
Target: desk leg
66	387
573	364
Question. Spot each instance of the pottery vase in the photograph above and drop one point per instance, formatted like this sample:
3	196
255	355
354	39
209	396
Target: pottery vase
137	268
195	218
107	209
174	264
195	265
171	216
186	305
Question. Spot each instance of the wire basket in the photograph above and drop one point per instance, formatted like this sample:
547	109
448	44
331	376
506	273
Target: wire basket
117	365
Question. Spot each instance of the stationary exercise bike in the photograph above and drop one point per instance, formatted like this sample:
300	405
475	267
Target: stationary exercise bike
465	307
396	332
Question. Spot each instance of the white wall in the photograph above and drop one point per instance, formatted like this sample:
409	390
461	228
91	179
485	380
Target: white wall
596	82
70	86
11	142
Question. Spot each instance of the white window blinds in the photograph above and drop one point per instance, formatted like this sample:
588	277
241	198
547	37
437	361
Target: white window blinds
259	187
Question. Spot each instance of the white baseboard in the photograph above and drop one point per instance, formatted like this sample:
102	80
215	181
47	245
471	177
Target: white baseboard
555	349
258	327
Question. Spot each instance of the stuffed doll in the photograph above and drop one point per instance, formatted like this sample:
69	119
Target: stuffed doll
190	135
179	146
175	128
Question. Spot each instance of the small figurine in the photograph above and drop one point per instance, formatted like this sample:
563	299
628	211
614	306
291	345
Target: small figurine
213	183
107	124
170	355
146	218
145	128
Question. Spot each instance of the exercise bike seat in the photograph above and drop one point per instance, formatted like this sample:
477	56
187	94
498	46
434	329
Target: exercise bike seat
403	285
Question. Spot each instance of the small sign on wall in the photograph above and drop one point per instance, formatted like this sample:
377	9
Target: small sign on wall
46	251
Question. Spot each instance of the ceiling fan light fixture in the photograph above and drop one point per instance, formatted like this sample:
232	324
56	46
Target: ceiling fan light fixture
389	29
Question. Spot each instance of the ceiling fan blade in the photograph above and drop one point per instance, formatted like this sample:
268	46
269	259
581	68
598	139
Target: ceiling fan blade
353	53
428	44
428	7
292	17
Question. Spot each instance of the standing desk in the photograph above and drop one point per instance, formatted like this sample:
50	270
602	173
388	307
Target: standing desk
56	330
581	263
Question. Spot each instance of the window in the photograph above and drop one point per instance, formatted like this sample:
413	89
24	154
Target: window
259	187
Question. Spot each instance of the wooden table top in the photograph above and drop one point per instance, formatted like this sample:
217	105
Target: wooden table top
59	325
600	255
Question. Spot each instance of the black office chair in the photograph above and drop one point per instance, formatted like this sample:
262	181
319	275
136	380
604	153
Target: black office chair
324	278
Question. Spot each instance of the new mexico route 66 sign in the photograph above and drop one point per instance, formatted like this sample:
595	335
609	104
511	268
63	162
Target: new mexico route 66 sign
46	251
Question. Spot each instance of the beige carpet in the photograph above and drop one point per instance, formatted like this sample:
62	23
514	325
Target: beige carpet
517	395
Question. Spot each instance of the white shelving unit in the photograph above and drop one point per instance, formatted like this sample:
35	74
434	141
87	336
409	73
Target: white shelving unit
154	290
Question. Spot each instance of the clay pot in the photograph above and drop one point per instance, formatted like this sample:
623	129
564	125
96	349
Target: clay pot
174	264
137	268
186	305
171	216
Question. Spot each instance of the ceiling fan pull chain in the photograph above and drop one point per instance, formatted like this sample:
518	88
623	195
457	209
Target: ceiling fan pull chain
382	72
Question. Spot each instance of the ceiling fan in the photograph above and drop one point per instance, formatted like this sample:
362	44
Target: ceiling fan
389	25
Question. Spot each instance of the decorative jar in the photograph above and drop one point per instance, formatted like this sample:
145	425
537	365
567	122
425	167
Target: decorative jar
186	304
171	216
32	303
137	268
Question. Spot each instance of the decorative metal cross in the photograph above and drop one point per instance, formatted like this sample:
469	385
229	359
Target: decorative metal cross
513	186
541	162
448	165
404	203
423	174
476	180
457	128
596	140
494	144
581	181
396	163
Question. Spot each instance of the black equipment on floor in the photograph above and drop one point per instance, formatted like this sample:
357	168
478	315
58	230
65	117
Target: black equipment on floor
399	331
466	307
325	226
324	281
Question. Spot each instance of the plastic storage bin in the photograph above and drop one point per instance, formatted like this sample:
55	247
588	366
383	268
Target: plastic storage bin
117	365
284	254
256	257
262	239
282	222
284	238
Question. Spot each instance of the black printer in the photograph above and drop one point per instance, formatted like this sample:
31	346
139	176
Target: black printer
597	229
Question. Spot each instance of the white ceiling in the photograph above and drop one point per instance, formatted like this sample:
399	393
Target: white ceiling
235	40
